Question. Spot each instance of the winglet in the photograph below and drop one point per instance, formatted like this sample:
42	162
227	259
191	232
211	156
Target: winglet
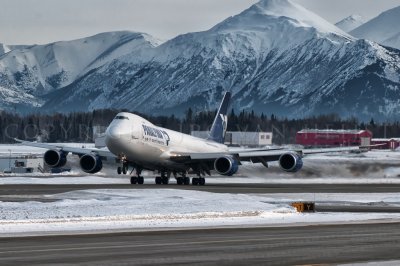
218	129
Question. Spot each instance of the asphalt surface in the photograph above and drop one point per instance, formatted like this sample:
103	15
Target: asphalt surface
327	244
217	188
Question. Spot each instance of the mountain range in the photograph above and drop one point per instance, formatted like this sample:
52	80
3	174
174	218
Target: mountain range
350	23
275	57
383	29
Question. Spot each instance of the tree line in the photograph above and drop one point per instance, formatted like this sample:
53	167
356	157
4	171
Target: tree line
79	127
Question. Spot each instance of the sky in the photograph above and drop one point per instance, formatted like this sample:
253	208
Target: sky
44	21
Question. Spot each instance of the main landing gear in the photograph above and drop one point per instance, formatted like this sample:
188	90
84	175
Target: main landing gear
183	180
198	181
180	180
138	179
163	179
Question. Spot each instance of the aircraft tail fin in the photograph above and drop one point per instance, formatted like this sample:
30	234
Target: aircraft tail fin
218	129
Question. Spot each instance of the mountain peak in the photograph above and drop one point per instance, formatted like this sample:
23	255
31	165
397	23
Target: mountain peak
267	11
350	23
268	4
4	49
381	28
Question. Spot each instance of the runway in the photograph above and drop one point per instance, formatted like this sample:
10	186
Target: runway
323	244
216	188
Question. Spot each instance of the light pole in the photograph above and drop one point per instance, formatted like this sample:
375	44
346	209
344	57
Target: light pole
9	161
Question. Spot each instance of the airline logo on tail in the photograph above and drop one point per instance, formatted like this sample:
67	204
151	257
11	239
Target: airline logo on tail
218	129
224	122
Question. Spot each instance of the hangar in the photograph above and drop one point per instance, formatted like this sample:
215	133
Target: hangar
322	138
386	144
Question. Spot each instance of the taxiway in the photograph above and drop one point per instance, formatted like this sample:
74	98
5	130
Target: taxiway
321	244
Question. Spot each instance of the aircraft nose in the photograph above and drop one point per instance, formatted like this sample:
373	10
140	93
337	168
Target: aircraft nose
113	132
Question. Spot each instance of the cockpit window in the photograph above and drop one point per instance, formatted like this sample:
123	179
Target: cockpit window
120	117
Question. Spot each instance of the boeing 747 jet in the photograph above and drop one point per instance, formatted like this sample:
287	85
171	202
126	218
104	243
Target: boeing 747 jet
136	144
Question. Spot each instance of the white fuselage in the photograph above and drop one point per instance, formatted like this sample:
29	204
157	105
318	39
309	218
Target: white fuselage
140	142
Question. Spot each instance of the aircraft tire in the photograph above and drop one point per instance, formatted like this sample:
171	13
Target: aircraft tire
134	180
119	170
179	181
195	181
202	181
186	181
164	180
158	180
124	170
140	180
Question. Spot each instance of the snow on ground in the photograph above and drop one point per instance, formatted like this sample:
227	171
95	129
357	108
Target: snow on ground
167	208
375	263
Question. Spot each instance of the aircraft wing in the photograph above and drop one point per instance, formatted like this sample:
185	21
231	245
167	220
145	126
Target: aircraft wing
105	153
255	156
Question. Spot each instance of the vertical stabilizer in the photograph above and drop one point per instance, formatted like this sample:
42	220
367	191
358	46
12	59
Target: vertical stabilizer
218	129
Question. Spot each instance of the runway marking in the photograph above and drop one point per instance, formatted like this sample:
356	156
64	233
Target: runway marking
187	243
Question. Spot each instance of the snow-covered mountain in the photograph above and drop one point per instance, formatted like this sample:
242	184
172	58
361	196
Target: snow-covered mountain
4	49
393	41
275	57
383	29
7	48
350	23
32	71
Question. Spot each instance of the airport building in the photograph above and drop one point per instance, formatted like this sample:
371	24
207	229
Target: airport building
323	138
21	164
236	138
386	144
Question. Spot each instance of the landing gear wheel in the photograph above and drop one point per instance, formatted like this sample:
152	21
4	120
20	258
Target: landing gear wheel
164	180
179	180
134	180
202	181
140	180
186	180
195	181
124	170
119	170
158	180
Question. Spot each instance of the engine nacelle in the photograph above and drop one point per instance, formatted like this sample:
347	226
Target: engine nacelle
54	158
91	164
226	166
290	162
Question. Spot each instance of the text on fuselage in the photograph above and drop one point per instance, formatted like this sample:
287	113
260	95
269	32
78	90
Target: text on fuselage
155	135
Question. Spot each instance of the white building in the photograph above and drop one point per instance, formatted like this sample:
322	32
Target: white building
21	164
241	138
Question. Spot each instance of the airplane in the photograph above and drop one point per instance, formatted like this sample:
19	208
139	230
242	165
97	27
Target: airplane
140	145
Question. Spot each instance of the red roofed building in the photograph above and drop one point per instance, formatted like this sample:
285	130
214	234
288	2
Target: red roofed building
335	138
386	144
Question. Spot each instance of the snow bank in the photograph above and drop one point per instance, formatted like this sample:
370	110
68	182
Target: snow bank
168	208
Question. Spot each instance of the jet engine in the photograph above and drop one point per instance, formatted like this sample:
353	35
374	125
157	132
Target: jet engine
290	162
54	158
90	163
226	165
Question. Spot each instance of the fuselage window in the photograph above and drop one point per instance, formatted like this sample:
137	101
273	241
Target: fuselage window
120	117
